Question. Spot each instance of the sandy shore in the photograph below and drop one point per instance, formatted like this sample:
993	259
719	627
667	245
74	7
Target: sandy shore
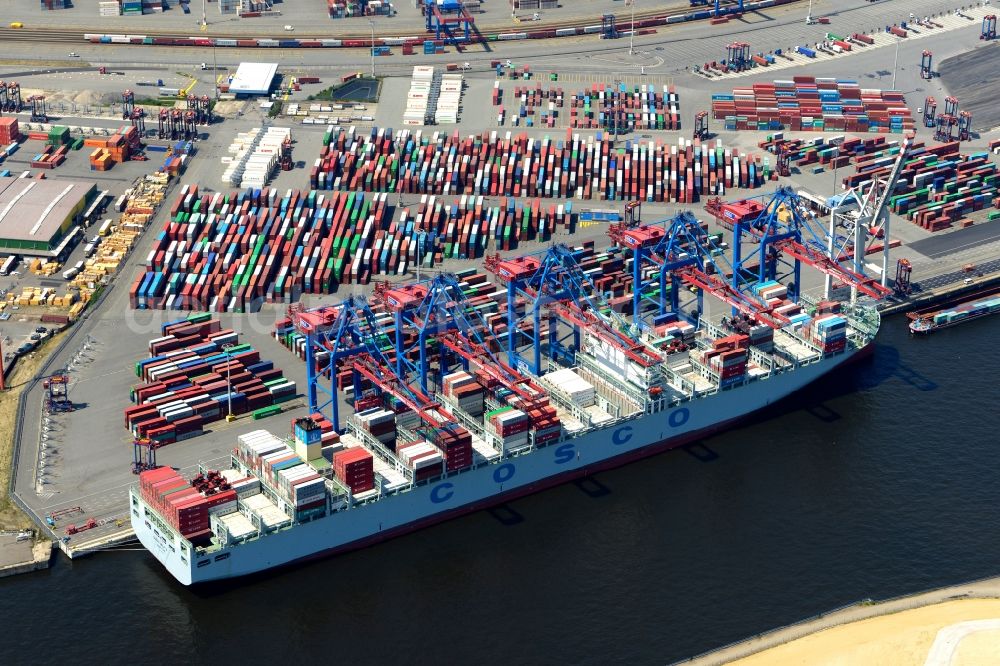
899	632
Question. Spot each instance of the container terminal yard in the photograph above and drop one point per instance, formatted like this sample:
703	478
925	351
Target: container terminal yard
514	226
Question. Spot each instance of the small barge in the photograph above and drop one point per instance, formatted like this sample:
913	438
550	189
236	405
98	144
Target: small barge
970	307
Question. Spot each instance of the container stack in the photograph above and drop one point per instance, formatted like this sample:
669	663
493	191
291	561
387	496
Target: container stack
304	489
761	337
108	150
234	252
807	103
253	446
465	392
229	6
53	4
131	8
829	152
254	156
185	507
770	290
423	458
195	375
152	6
454	442
354	468
938	187
418	98
380	424
509	427
492	164
624	110
580	392
828	332
58	135
109	8
9	132
669	328
727	358
449	99
49	158
349	8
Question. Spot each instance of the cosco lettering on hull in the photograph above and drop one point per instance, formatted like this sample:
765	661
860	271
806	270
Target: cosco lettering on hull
445	491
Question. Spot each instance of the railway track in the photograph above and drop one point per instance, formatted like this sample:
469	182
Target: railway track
75	35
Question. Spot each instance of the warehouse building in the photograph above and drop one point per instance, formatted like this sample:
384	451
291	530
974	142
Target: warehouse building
39	218
253	78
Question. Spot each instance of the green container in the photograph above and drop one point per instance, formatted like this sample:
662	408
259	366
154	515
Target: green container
59	135
264	412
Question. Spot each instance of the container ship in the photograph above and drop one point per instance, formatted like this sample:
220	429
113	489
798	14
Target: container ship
461	393
975	307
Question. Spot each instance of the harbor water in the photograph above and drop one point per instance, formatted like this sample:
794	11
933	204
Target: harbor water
880	481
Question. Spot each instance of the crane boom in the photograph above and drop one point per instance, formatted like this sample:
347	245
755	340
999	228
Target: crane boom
876	215
723	291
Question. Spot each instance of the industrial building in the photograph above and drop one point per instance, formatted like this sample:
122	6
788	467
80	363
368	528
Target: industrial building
253	78
37	216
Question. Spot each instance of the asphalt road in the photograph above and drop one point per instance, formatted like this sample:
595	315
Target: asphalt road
670	50
937	247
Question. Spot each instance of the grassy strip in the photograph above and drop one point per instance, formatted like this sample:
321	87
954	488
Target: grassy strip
156	101
11	517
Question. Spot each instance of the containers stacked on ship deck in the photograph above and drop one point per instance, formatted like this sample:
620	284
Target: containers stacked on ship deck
233	252
465	391
291	474
828	332
195	372
608	269
806	103
380	424
354	468
726	359
509	427
187	508
498	164
423	458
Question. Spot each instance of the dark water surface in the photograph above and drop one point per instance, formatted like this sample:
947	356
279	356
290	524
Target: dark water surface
881	481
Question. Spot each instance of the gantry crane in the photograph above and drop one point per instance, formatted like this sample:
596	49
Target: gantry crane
554	281
786	229
863	212
682	251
